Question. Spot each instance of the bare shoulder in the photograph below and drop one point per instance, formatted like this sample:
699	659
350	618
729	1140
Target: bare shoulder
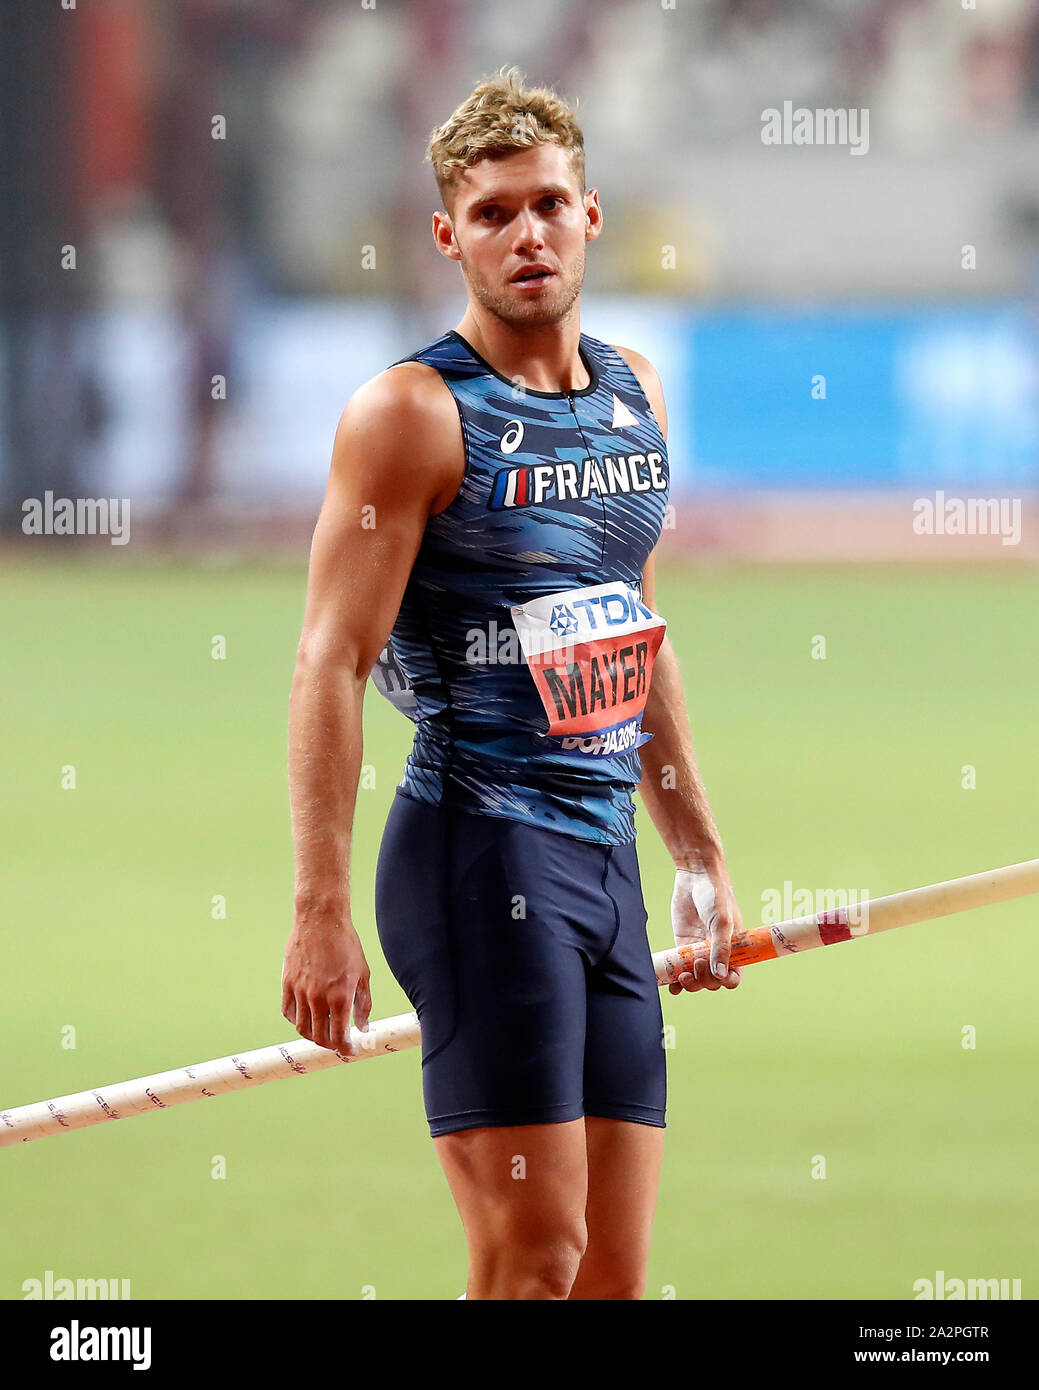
641	366
404	422
408	395
649	381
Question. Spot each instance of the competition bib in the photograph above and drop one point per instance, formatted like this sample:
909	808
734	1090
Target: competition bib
591	653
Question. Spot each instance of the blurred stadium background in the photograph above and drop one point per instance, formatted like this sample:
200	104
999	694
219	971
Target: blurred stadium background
291	259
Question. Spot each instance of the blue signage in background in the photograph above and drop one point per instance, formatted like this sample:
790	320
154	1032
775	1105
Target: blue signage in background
903	399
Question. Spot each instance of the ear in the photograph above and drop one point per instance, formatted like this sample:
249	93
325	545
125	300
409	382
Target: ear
593	215
444	236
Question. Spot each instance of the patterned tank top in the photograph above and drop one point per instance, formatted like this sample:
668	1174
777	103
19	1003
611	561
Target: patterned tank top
523	650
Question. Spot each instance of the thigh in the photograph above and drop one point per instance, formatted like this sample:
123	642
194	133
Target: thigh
468	921
625	1074
624	1162
518	1184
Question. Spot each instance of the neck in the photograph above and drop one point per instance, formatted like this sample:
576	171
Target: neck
544	355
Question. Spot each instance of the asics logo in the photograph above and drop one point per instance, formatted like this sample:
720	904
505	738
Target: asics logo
513	437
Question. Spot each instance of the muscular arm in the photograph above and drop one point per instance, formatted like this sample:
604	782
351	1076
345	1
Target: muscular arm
673	790
671	786
396	459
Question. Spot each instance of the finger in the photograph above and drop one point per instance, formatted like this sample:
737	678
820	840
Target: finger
303	1020
721	941
700	978
363	1003
339	1038
288	1005
320	1015
703	974
707	980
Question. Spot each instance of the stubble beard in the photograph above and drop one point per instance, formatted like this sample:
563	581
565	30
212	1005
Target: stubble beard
553	307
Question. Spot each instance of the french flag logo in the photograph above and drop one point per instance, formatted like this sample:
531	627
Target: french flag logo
511	488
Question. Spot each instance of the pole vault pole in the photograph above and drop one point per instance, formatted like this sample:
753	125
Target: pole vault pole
203	1080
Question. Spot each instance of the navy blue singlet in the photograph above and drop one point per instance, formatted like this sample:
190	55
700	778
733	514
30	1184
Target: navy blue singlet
522	650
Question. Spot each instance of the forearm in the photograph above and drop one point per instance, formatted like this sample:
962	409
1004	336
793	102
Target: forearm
325	749
671	786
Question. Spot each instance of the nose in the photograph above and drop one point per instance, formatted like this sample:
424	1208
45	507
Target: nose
527	233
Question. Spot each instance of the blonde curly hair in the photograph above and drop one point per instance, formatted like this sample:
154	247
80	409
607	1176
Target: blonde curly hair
498	118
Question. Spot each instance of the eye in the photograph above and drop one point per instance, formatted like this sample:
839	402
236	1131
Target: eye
488	213
553	200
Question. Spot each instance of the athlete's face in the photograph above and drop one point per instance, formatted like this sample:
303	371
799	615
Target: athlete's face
519	227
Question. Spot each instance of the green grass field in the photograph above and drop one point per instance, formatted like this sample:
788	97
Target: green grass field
836	773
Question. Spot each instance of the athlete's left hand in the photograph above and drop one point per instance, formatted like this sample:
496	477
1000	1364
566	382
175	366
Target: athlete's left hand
704	910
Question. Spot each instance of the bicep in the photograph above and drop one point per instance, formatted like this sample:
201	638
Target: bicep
655	396
648	378
357	578
649	595
369	531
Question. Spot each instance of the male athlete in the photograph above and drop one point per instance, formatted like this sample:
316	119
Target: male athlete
485	552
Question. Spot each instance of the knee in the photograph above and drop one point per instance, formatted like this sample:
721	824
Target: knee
612	1280
550	1266
539	1260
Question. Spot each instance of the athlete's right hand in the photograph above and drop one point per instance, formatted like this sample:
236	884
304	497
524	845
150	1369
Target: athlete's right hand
324	979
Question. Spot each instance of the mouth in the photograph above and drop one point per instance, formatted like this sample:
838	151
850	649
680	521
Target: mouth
532	276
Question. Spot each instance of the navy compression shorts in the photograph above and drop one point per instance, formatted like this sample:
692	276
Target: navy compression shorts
524	953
